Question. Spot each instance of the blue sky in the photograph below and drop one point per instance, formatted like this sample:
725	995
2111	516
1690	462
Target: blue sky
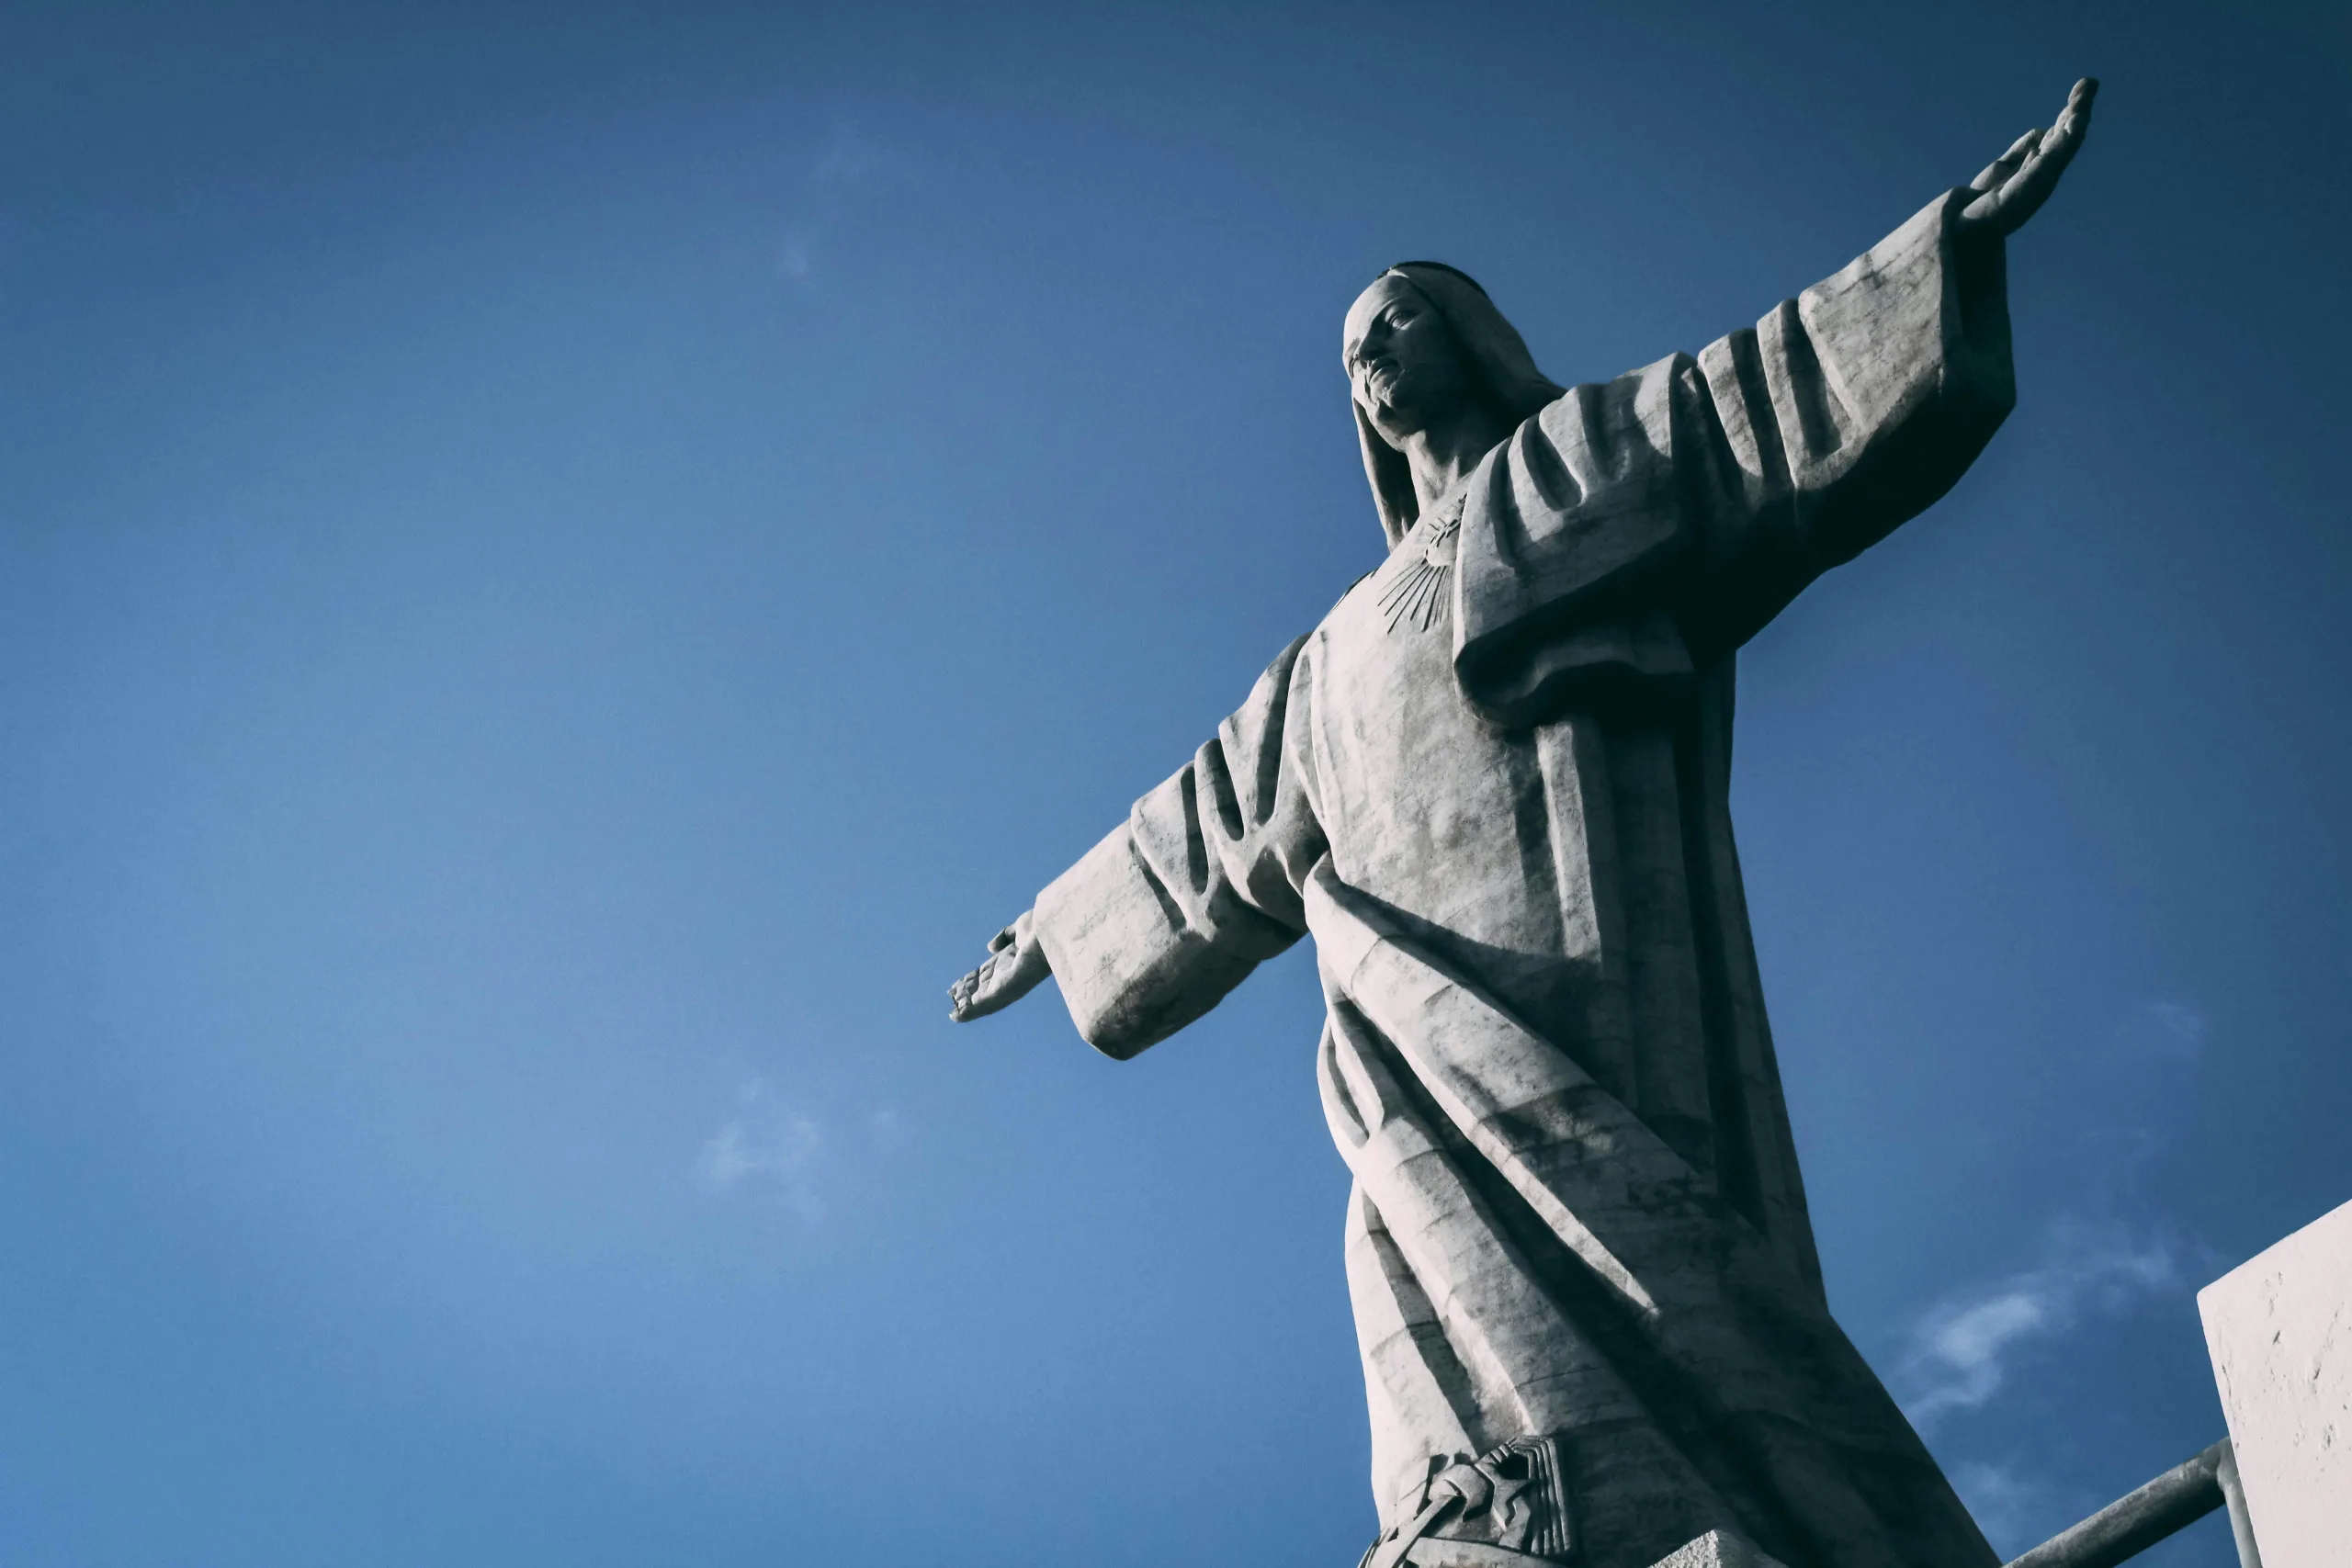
563	565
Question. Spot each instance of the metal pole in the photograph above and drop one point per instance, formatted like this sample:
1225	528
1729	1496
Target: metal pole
2128	1525
2241	1522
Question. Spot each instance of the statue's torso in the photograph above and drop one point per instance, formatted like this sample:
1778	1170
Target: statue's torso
1437	811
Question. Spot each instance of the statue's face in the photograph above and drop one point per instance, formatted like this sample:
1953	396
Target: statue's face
1403	364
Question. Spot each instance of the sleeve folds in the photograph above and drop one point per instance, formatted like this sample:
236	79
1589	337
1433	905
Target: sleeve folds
1634	527
1201	885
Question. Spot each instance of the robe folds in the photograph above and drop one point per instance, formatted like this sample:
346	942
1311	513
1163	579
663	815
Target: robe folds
1494	784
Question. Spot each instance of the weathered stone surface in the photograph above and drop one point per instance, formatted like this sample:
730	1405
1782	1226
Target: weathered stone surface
1718	1549
2280	1329
1494	783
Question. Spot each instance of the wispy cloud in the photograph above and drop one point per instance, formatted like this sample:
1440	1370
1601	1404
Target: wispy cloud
850	156
773	1149
2166	1030
889	1129
2146	1073
2110	1252
767	1149
2101	1258
847	169
2016	1510
793	258
1964	1347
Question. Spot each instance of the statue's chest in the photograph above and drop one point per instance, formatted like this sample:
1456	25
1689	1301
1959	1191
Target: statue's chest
1413	590
1416	772
1389	644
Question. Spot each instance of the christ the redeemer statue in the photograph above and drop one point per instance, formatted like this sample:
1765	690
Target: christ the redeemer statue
1495	785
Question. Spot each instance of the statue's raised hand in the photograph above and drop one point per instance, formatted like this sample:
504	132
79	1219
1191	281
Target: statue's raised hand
2020	180
1015	964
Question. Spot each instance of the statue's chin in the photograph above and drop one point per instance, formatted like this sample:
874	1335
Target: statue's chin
1395	421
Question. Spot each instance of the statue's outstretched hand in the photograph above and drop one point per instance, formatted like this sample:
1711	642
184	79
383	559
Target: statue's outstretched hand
1015	964
2020	180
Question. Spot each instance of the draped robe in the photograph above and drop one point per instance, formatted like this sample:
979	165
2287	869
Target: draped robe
1494	783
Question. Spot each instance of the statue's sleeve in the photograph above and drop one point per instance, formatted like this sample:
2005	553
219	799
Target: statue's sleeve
1633	527
1200	884
1841	416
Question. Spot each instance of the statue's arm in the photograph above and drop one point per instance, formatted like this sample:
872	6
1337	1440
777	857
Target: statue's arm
1849	409
1178	904
1634	528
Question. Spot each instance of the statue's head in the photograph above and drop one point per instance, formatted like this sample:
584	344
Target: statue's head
1419	345
1405	367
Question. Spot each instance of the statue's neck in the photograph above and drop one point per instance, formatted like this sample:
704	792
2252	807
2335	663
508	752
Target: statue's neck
1443	455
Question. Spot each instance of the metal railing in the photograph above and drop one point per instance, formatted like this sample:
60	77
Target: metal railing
2172	1502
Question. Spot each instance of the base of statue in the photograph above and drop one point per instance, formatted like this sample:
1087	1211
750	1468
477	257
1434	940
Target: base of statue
1718	1549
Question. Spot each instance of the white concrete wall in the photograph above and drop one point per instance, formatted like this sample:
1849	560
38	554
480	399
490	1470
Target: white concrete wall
2280	1328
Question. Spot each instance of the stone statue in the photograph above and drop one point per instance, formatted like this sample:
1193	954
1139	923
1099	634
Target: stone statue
1495	785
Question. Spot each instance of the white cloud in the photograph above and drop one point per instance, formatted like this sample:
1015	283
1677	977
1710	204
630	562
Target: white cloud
793	258
850	156
2111	1253
2168	1031
774	1150
768	1148
1963	1348
2015	1510
850	172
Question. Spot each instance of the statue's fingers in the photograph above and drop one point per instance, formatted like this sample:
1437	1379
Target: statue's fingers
1991	175
970	996
2023	196
2063	137
2074	122
2039	176
1998	171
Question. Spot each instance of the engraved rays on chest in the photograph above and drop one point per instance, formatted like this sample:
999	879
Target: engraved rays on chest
1418	596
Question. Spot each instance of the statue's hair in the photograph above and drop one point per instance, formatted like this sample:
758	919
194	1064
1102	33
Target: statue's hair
1499	364
1439	266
